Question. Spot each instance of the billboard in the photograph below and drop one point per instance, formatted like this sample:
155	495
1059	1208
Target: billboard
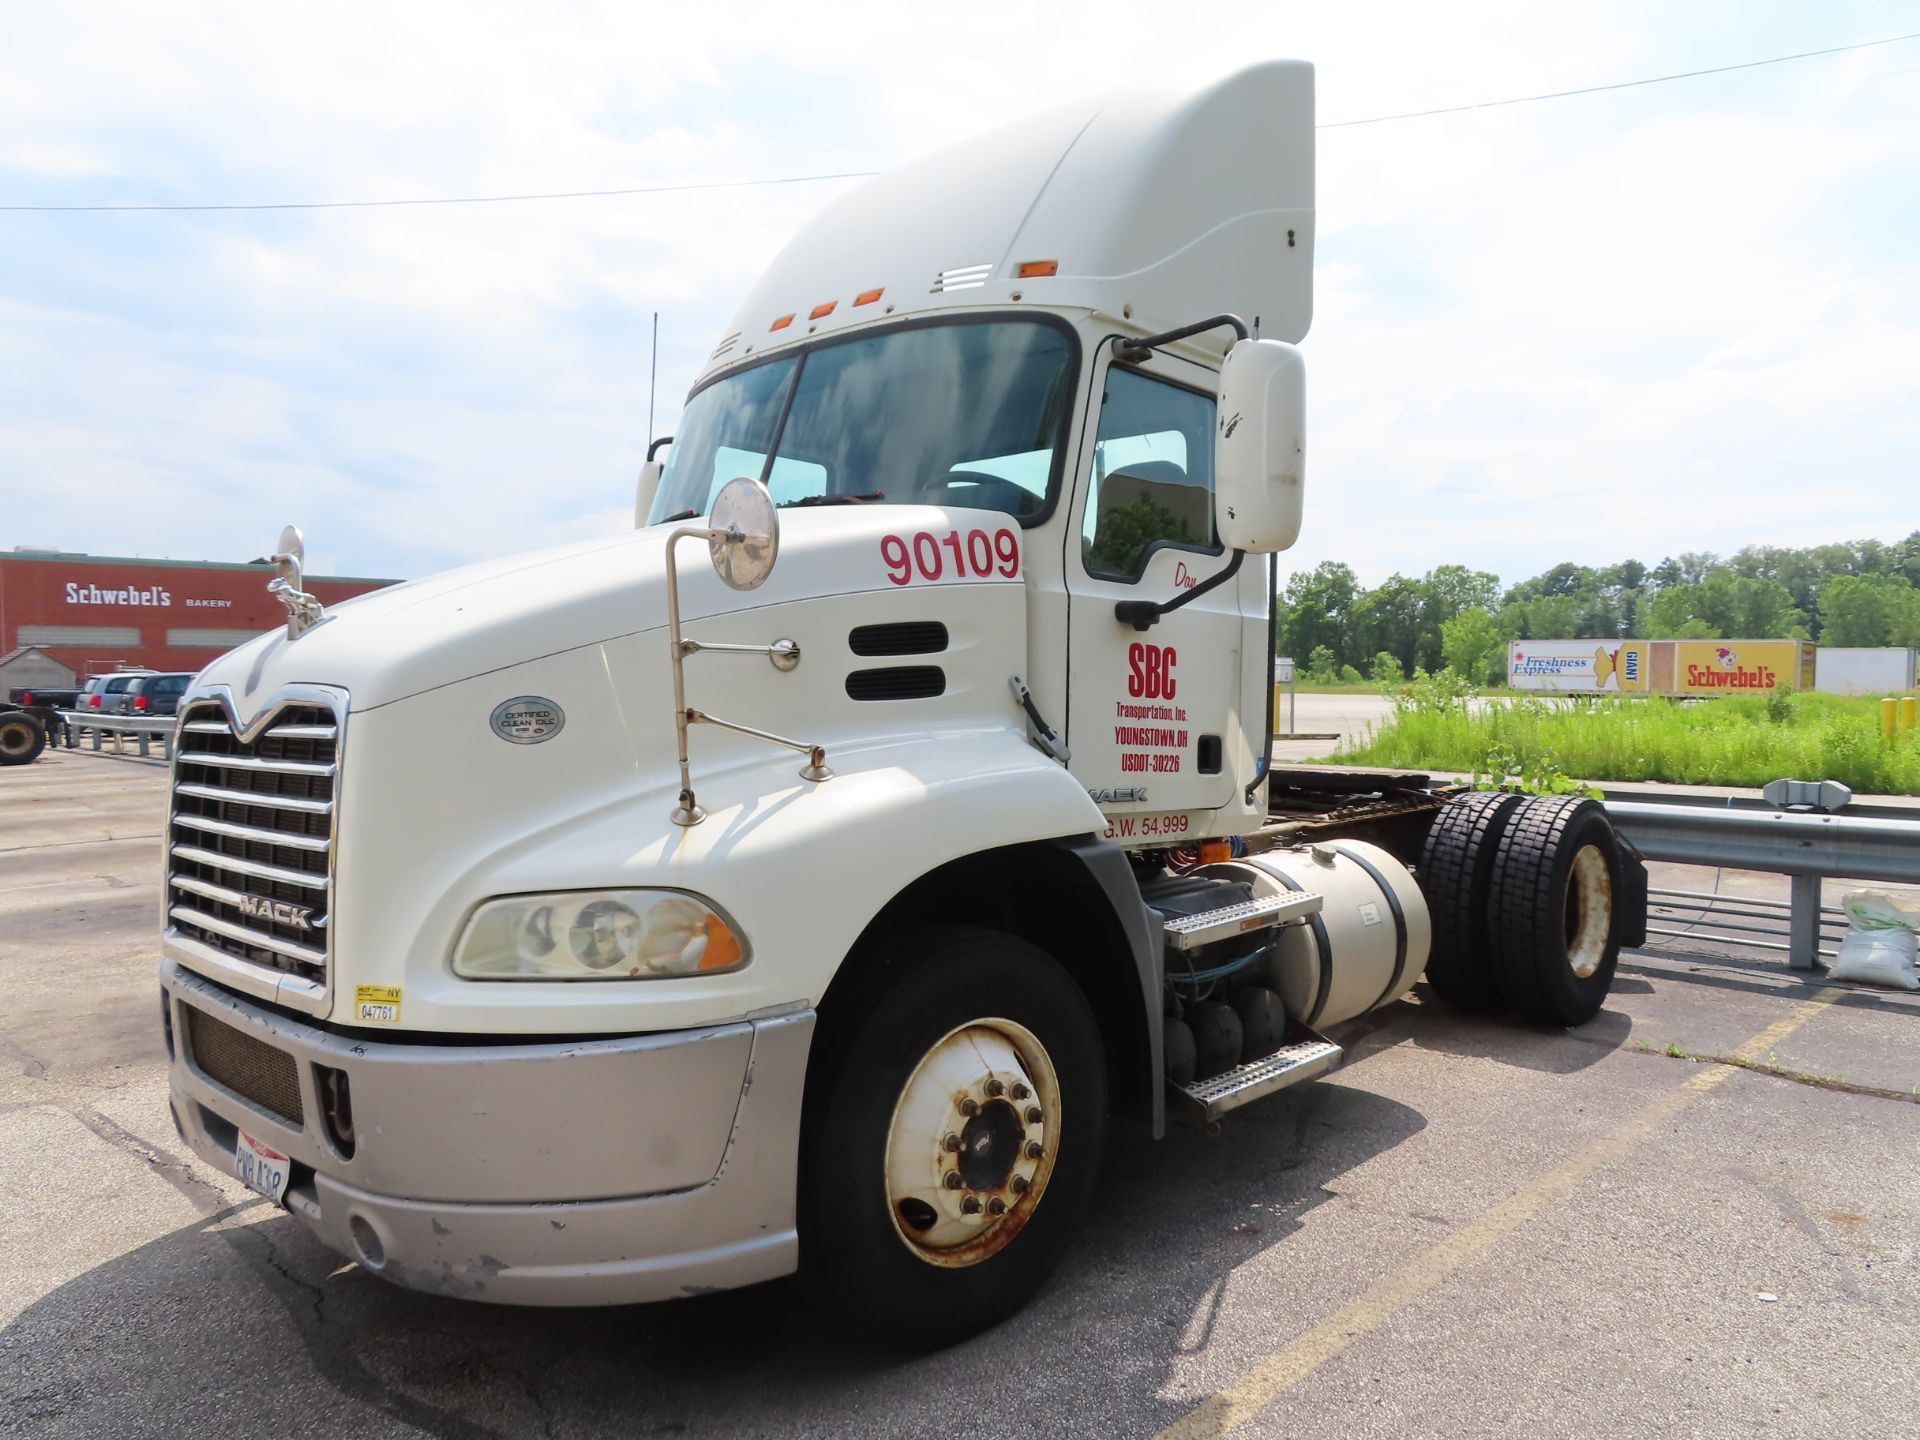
1660	667
1733	667
1579	667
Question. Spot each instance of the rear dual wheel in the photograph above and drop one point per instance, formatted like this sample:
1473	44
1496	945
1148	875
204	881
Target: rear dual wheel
1521	890
952	1138
1551	910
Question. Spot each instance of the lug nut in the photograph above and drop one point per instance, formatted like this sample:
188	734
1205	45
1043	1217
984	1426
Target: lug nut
996	1206
1021	1184
1035	1150
1019	1092
954	1182
970	1205
996	1089
969	1107
1034	1117
951	1144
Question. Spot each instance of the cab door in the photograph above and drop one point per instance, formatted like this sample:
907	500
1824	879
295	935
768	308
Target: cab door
1153	716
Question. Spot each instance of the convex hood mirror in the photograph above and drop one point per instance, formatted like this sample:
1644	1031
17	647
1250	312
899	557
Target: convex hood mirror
745	536
1260	452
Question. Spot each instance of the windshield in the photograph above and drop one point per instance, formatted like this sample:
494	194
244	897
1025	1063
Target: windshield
970	414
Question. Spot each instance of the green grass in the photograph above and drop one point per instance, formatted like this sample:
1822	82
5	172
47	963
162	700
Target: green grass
1737	740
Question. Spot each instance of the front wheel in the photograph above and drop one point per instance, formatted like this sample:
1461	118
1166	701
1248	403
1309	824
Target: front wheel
953	1136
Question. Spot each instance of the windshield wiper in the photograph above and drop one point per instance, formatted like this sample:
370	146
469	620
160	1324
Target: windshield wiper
683	515
866	499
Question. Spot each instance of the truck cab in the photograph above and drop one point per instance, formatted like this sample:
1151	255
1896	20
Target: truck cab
802	880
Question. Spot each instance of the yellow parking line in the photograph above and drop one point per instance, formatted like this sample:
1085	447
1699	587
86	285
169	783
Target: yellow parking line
1281	1371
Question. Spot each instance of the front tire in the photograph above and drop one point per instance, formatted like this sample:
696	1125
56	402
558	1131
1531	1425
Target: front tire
953	1136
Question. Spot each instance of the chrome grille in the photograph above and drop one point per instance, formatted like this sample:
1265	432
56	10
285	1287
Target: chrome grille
250	843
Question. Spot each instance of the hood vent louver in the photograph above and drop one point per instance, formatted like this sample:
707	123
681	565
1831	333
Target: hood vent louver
900	637
897	682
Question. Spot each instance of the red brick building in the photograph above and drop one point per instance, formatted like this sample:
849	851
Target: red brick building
93	613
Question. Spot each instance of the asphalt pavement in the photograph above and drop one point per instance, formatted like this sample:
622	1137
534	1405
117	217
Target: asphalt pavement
1472	1228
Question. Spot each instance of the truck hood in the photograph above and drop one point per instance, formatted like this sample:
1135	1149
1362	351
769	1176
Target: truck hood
407	639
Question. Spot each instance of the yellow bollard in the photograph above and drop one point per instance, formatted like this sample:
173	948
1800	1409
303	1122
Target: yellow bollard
1907	708
1889	718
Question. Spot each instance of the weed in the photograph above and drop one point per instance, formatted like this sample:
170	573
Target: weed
1438	723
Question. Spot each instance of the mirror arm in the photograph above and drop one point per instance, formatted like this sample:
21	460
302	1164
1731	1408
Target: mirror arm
654	448
1145	614
1135	352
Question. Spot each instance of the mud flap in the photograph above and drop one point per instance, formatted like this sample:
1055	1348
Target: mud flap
1629	897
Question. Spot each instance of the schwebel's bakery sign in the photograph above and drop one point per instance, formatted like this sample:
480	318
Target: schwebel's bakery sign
153	597
78	594
1716	667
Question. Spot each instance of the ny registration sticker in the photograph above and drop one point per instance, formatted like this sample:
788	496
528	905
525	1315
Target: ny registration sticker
376	1004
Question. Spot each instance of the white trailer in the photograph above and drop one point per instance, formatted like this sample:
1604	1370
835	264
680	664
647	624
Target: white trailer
599	926
1863	670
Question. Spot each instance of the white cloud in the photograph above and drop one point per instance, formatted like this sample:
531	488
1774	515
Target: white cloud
1672	318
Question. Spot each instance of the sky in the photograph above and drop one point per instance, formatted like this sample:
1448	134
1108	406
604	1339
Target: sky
1678	317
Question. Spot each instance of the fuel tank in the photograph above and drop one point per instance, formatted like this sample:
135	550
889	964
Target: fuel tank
1366	946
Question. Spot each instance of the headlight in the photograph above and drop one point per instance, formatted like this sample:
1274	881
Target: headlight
597	935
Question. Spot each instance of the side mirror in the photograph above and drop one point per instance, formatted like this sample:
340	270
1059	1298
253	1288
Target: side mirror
648	487
1260	453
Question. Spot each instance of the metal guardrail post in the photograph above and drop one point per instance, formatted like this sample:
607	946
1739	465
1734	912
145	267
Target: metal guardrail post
1803	934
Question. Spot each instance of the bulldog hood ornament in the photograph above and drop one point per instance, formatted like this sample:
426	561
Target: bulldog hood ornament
304	611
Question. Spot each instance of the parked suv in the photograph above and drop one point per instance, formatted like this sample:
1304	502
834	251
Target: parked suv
156	694
112	698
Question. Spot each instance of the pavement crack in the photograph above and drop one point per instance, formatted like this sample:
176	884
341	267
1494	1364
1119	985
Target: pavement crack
169	1167
1781	1072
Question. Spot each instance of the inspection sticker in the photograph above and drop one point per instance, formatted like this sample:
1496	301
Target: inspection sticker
376	1004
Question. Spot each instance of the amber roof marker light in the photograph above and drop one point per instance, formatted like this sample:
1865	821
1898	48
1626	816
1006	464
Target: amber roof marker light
781	323
1037	269
822	310
867	297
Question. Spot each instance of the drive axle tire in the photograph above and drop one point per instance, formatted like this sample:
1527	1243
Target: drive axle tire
1456	875
1555	943
953	1133
22	738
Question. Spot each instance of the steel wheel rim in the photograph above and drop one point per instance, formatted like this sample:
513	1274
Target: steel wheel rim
955	1194
1589	911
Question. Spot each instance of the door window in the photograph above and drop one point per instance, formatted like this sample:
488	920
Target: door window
1152	476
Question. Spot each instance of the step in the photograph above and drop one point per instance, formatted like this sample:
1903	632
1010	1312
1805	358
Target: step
1289	1065
1189	932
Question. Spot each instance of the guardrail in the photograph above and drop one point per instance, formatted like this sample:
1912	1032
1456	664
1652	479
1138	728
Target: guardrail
1804	843
119	728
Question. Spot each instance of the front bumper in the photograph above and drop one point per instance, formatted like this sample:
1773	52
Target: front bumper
586	1172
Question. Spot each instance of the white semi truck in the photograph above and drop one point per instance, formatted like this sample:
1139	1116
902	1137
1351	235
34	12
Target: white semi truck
607	925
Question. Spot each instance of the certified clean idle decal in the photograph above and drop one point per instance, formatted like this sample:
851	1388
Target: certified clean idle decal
528	719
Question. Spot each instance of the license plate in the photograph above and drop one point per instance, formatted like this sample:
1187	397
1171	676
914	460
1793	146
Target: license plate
260	1169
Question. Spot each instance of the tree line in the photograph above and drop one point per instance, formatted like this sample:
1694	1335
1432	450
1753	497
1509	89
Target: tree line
1863	593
